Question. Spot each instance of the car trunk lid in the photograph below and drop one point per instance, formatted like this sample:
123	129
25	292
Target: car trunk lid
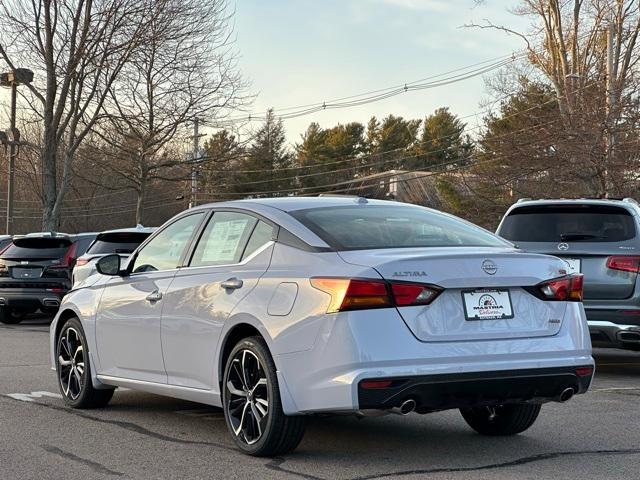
475	280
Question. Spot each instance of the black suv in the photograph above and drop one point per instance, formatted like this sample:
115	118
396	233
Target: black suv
35	273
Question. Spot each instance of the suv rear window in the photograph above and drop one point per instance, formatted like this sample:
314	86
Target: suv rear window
568	223
117	242
35	247
378	226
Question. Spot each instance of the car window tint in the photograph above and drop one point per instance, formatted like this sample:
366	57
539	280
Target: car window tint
377	226
82	244
223	240
117	242
568	223
262	234
165	250
37	248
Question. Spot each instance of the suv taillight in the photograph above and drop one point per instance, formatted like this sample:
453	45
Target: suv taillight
564	289
81	261
358	294
69	258
625	263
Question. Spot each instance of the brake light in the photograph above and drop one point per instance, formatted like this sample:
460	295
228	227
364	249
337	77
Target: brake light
625	263
357	294
565	289
413	294
69	258
81	261
349	294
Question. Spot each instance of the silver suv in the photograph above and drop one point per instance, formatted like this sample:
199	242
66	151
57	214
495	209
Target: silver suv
599	238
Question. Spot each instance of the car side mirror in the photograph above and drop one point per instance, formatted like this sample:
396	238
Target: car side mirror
109	265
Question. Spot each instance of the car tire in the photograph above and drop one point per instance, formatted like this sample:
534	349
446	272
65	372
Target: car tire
252	405
501	420
73	369
10	317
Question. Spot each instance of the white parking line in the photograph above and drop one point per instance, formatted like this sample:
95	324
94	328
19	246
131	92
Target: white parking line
30	397
615	389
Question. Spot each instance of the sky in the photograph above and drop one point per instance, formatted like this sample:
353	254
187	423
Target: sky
296	52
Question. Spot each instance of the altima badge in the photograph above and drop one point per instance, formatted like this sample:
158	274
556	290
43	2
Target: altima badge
489	267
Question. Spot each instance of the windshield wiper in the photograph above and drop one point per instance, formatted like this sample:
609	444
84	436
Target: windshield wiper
568	237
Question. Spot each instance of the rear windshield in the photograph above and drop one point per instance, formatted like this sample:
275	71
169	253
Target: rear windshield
37	248
377	226
568	223
121	242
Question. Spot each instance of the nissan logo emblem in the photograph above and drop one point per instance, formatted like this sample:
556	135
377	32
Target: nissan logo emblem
563	246
489	267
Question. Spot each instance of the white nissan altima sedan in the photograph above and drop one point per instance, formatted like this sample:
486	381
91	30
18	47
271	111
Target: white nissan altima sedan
277	309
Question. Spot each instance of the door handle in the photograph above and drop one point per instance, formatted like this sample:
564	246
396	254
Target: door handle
154	297
232	284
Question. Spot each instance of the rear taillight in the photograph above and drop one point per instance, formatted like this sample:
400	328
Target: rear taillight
564	289
81	261
406	294
625	263
349	294
69	258
358	294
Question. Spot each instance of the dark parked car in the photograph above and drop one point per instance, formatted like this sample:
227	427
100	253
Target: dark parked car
599	238
35	272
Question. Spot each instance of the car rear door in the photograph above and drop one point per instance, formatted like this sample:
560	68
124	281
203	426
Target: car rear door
587	236
232	254
128	316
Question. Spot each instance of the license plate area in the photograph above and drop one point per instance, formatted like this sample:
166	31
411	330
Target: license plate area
487	304
26	272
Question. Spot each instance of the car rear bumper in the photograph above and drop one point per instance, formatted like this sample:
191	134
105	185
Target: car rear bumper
376	344
440	392
614	335
31	299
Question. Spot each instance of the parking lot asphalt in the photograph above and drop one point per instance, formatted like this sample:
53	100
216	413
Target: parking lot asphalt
139	435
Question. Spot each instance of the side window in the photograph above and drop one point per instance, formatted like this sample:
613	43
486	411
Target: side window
165	250
262	234
223	240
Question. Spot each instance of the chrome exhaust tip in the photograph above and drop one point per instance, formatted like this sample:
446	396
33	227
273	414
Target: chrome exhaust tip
566	395
405	407
51	302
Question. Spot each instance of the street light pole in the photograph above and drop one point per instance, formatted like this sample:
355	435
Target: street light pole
12	79
12	161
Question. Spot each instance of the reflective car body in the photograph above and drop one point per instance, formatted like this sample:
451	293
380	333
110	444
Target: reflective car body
169	330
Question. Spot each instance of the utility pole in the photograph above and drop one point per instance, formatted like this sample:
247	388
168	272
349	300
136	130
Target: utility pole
194	158
611	98
12	79
12	160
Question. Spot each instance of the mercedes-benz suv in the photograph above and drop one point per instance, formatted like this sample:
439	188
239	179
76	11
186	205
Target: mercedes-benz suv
599	238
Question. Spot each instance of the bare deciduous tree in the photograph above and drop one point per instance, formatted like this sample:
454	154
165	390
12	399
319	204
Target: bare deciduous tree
77	49
567	46
185	70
